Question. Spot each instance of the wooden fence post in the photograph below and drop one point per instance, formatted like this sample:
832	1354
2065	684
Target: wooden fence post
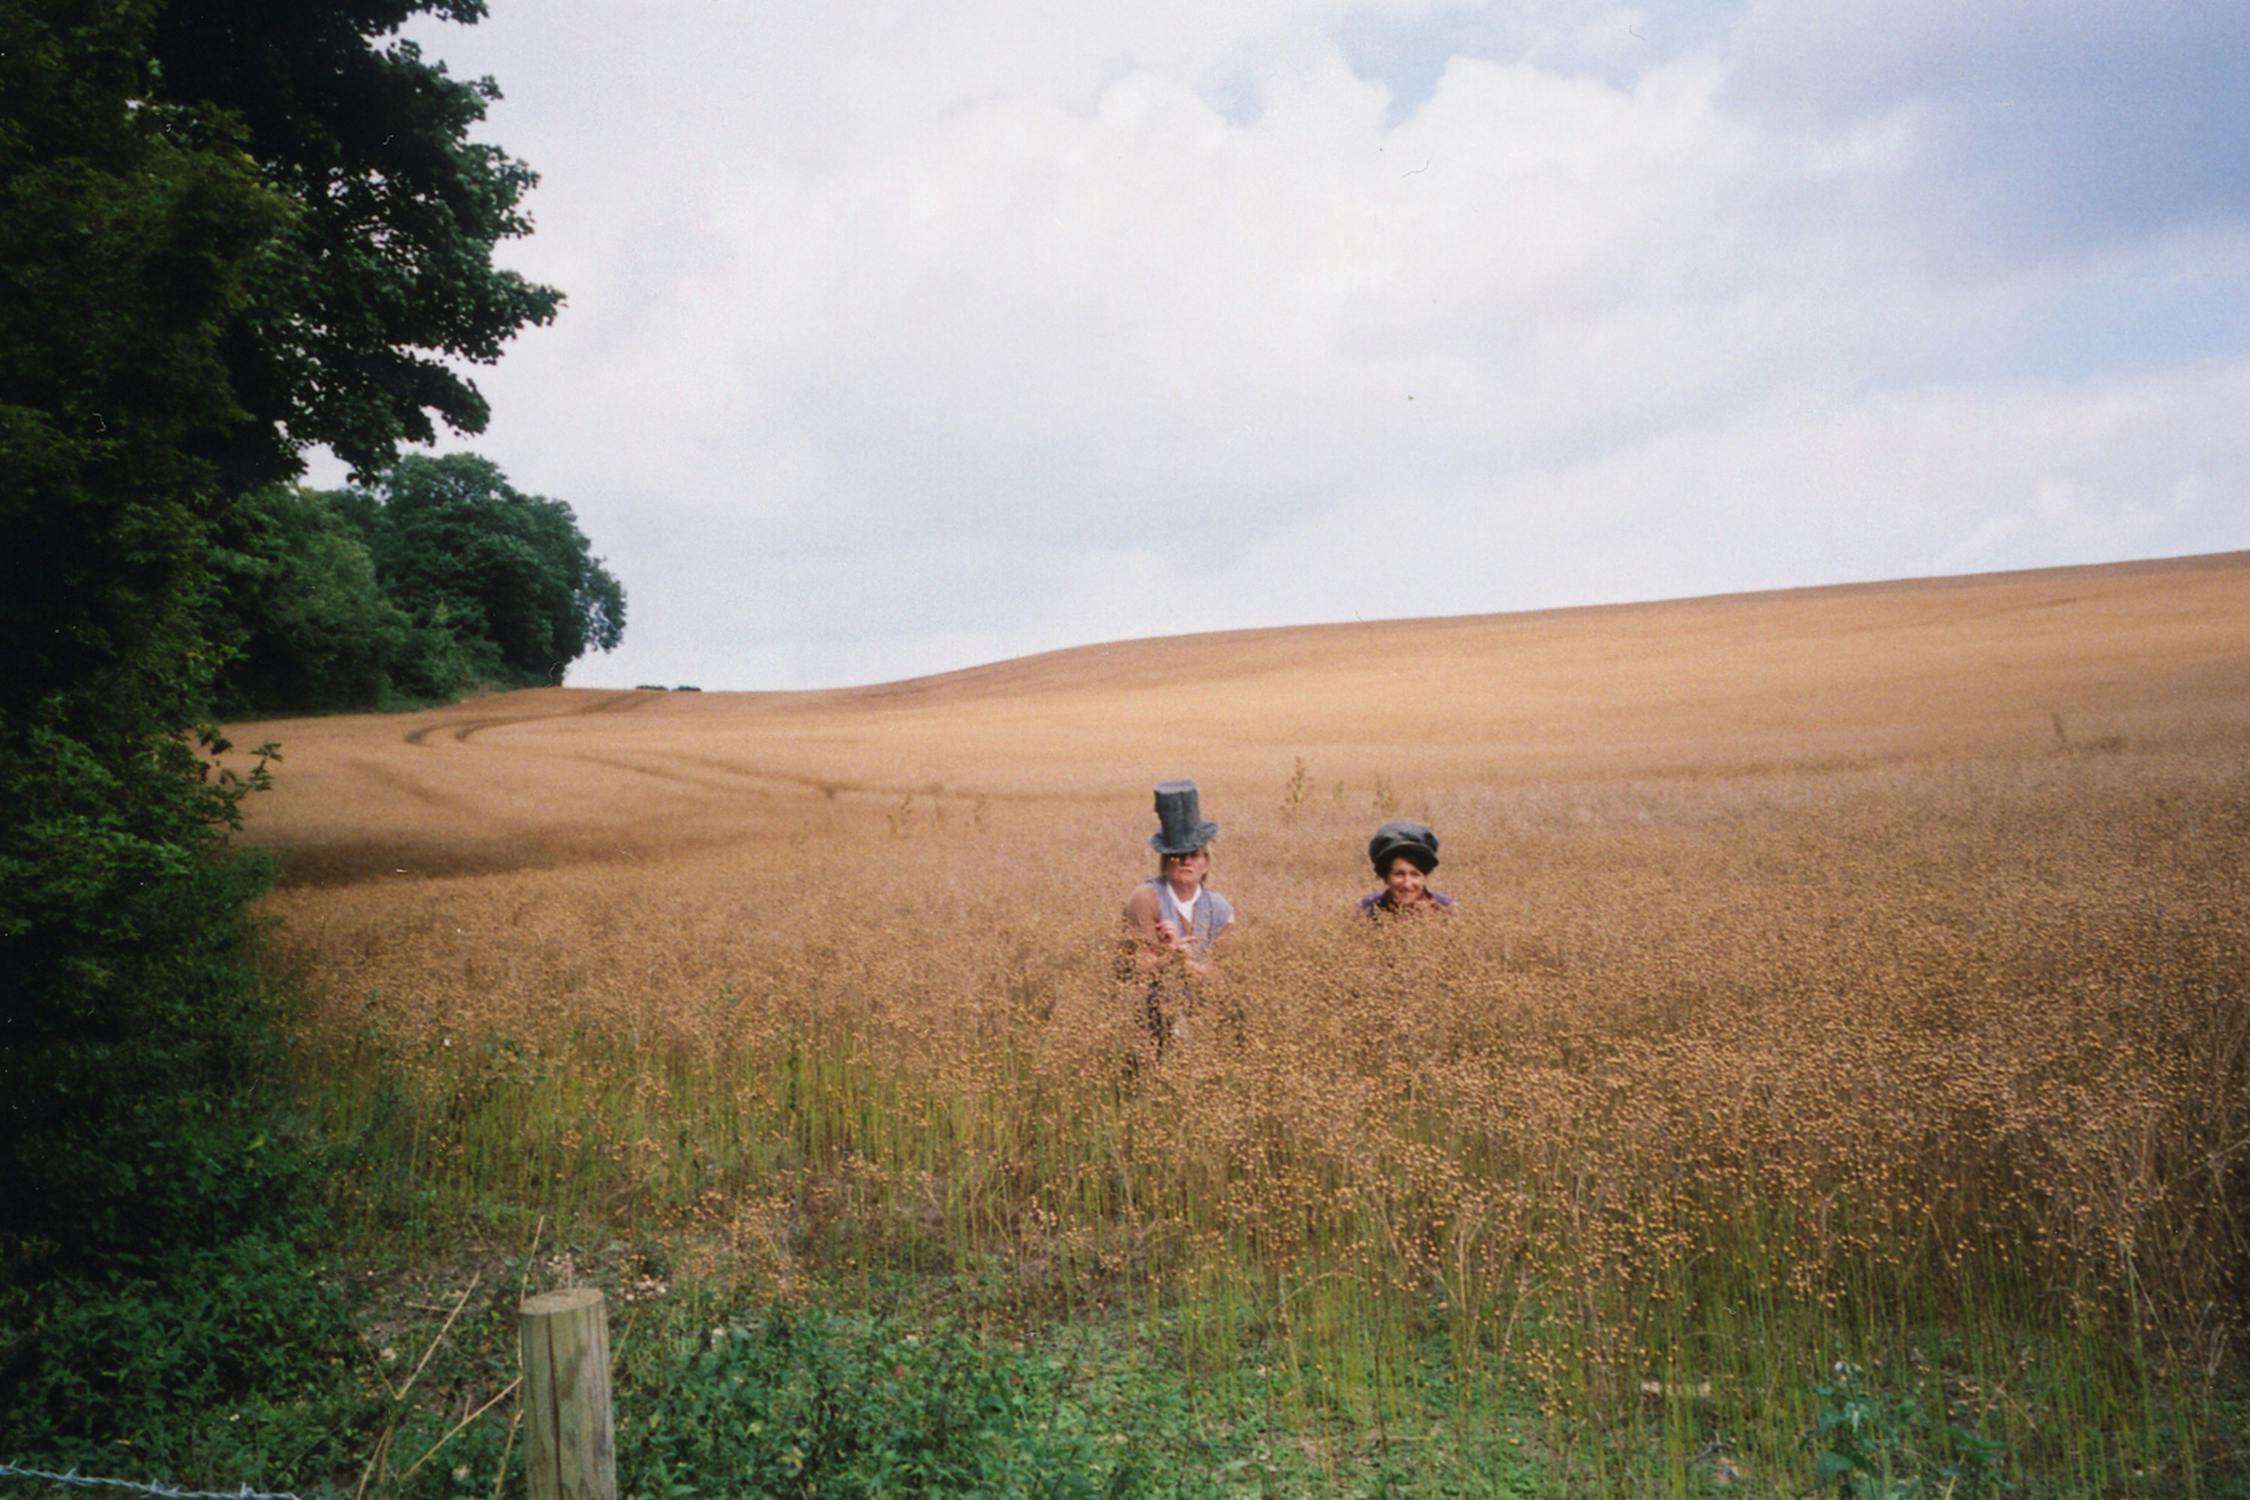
570	1449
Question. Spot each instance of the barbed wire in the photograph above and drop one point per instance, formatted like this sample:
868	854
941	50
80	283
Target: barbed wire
90	1481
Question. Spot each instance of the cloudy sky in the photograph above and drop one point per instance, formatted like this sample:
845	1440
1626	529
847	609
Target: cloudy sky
906	337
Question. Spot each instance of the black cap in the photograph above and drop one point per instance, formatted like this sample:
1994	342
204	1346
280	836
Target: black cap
1407	837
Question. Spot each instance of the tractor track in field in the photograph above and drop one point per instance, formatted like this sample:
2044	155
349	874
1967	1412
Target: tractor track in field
708	783
414	789
732	775
745	780
461	731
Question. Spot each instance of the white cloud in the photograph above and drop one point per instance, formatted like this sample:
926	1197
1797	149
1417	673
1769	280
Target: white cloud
1795	491
903	339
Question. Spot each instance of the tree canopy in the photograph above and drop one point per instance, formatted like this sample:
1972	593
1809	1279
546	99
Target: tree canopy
437	577
453	539
382	268
227	231
297	597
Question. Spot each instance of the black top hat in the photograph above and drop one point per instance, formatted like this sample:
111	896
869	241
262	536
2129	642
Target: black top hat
1184	830
1407	837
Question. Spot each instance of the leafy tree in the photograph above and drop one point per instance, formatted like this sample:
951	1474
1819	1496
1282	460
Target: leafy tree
127	231
383	268
227	230
438	577
455	542
296	595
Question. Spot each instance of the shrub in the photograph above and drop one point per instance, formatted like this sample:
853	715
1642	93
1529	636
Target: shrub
223	1363
798	1401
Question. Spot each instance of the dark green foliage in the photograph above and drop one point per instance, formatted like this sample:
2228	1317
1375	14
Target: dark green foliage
509	575
776	1401
796	1402
384	265
297	596
127	228
159	169
1872	1446
226	231
230	1361
153	1186
439	579
137	1046
718	1397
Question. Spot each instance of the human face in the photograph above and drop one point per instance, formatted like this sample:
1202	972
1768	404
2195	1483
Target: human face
1407	883
1186	871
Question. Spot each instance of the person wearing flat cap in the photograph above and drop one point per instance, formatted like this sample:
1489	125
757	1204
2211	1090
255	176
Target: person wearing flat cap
1404	853
1172	920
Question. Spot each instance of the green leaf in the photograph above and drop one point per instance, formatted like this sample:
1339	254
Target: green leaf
1831	1466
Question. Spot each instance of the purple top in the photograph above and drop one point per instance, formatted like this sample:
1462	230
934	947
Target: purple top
1384	901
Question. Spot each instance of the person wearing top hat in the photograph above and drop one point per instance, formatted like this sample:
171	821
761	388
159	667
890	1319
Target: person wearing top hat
1404	853
1172	917
1172	920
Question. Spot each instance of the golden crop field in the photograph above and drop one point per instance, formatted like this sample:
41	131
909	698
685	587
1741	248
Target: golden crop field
1832	967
